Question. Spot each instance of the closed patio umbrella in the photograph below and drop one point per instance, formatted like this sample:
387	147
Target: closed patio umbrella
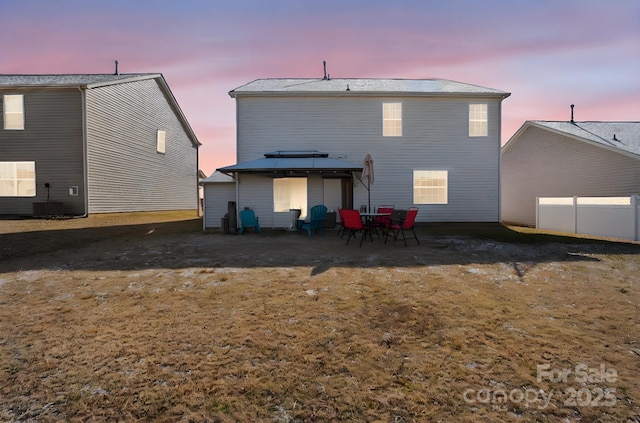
367	173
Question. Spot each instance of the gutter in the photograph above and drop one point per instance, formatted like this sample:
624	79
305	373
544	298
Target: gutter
85	160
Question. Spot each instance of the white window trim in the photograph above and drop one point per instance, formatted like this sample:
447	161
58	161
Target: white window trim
390	126
16	115
10	169
161	142
434	175
478	126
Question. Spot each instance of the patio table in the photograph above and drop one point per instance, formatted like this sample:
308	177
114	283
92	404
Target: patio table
371	217
370	220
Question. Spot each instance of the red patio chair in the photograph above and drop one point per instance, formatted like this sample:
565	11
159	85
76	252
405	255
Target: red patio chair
352	222
397	228
341	230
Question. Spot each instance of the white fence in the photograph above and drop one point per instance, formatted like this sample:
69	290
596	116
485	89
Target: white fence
611	217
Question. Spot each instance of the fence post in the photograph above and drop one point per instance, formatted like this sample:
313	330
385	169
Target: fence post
575	214
634	209
537	212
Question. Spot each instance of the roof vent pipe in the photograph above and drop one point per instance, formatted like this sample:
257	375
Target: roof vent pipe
117	73
572	121
324	64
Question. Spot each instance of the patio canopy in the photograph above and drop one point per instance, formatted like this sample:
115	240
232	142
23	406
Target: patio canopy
280	164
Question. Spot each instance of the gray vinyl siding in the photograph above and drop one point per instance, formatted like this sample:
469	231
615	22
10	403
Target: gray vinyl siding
435	137
53	139
125	173
541	163
216	202
256	192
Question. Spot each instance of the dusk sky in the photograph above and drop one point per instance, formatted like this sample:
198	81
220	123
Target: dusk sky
547	53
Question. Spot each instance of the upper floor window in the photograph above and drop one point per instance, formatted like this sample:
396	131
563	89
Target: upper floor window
478	120
13	108
430	186
392	119
160	141
17	179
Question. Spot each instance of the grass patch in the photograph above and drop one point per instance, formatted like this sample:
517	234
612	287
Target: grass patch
172	324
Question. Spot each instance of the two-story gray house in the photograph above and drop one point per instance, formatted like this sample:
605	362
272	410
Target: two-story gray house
300	142
94	144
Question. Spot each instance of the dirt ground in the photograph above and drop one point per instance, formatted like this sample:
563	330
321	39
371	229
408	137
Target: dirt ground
143	317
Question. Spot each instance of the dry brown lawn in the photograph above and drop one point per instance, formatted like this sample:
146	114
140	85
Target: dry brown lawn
143	317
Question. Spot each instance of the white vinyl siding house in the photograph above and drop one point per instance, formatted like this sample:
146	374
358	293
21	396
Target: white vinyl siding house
566	159
431	116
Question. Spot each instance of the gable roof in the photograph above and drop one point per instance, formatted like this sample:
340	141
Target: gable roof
89	81
280	163
217	177
622	137
359	86
72	80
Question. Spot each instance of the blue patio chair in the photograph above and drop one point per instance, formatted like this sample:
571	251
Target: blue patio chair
248	219
317	216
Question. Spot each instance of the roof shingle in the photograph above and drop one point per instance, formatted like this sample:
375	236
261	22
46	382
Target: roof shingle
627	134
70	80
364	86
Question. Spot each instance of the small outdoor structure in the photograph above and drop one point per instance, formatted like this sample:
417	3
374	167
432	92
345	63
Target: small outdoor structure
279	186
219	190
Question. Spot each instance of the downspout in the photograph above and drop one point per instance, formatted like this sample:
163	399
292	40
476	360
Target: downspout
237	174
235	230
199	212
85	160
500	163
504	97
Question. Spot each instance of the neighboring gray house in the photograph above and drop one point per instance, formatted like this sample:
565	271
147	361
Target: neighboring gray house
300	142
94	144
566	159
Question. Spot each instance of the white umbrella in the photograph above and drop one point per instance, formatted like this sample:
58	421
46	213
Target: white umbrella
367	173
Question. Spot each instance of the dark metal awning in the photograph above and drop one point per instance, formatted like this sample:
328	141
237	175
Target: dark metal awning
294	163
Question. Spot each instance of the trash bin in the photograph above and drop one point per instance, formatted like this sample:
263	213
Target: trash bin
232	219
330	221
224	224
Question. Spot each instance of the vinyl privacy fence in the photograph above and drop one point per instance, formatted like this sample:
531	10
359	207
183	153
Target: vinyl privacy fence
612	217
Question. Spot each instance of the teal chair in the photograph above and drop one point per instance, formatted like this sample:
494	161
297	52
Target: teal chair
317	216
248	219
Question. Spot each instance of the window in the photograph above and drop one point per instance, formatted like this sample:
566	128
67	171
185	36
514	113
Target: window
430	187
160	141
290	193
13	111
478	120
17	179
392	119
